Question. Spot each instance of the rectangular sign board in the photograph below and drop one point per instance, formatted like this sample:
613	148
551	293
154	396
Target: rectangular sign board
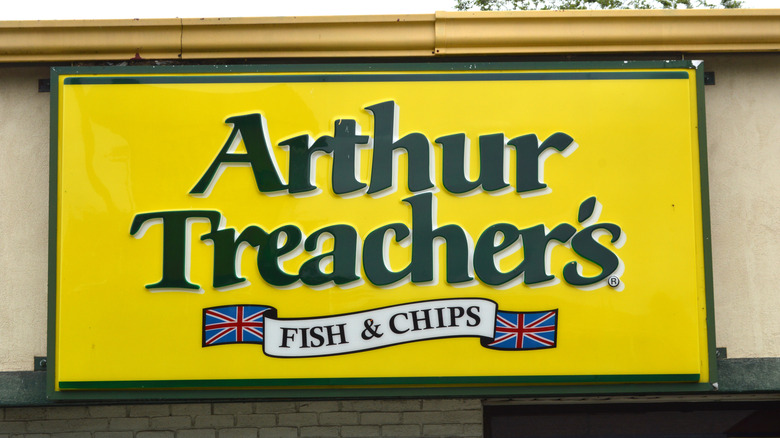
378	226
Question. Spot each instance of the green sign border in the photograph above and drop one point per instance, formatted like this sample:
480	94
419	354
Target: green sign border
475	386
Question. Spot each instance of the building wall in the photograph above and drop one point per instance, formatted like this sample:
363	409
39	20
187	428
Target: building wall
24	218
349	418
743	136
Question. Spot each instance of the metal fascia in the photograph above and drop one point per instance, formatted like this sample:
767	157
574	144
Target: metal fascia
417	36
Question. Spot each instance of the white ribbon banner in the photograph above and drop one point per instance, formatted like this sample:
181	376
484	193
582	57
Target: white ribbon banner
378	328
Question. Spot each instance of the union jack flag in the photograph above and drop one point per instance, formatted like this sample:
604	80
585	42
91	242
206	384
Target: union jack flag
233	324
524	330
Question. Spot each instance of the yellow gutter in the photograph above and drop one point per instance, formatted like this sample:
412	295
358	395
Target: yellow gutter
284	37
429	35
718	30
89	40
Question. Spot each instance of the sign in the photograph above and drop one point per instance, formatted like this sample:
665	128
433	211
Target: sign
372	226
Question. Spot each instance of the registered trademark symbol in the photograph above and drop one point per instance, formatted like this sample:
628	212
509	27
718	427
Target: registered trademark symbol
613	281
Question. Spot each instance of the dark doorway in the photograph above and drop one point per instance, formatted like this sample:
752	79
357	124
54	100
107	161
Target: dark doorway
668	420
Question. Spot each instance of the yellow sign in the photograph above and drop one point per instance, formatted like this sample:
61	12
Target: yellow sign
380	227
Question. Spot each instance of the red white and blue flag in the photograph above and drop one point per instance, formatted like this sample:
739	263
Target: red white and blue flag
233	325
524	330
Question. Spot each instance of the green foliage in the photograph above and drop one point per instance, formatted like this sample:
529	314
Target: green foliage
556	5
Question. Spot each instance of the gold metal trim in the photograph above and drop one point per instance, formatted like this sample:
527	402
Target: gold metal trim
419	36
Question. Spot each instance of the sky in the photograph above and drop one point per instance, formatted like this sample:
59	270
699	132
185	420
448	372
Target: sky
97	9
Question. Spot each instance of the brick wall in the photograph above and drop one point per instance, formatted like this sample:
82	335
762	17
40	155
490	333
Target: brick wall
352	418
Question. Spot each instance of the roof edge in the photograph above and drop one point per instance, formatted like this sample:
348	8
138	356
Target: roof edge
423	35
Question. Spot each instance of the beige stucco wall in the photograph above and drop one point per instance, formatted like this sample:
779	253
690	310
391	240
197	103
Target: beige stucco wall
743	123
743	135
24	189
